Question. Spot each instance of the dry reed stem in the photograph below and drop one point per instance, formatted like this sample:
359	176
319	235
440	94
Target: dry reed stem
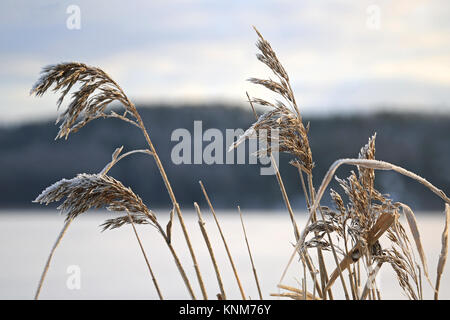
293	136
323	269
251	105
294	293
143	219
370	164
293	296
285	197
444	252
146	258
302	180
116	158
201	223
370	281
250	255
410	217
312	272
304	284
177	262
172	198
351	275
287	123
194	259
230	258
49	259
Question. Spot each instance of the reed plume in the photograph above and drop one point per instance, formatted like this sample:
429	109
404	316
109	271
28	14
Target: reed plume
95	93
87	191
283	117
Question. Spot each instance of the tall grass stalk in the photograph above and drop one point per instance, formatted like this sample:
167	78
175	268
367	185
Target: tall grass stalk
230	257
201	223
250	256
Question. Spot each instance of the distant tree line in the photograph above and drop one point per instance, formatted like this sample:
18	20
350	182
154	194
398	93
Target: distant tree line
31	159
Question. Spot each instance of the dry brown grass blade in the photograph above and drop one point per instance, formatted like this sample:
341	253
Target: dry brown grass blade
344	264
169	226
371	164
383	223
296	294
410	217
444	252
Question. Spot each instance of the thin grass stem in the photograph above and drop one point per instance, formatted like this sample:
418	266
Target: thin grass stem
250	255
201	223
230	258
49	259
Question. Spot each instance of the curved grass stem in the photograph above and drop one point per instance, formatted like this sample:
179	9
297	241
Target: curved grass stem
49	259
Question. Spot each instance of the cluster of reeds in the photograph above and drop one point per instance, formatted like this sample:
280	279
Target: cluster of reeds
362	233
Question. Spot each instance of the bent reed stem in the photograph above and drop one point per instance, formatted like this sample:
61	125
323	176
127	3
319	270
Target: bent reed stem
49	259
177	261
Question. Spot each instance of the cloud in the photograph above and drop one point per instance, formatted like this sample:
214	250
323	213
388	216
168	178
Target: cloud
199	51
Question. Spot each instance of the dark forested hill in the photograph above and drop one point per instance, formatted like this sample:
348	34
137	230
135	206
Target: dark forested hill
31	159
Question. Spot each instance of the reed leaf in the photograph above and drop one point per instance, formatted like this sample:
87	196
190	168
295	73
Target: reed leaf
444	252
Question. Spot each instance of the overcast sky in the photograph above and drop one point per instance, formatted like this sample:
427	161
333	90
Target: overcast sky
340	57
